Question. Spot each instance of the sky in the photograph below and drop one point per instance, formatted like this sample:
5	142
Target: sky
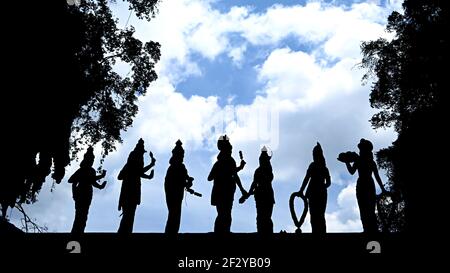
278	73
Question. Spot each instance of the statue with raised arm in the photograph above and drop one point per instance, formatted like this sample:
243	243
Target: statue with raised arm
130	194
225	176
82	182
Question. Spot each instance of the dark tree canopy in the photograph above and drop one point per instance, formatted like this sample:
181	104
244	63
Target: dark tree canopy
64	91
409	69
410	90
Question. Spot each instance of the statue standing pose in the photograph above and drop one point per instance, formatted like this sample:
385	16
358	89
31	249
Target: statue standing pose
130	194
317	179
225	176
264	197
176	181
82	182
365	186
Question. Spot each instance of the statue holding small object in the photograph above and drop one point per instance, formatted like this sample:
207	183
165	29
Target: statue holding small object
130	194
225	176
176	182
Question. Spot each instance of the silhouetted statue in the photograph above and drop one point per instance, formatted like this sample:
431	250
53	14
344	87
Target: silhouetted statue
317	179
264	197
365	186
130	194
177	180
82	182
224	174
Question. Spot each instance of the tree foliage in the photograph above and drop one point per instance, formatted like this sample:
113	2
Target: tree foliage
409	89
61	59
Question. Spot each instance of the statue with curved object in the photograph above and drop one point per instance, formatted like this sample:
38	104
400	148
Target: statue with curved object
317	180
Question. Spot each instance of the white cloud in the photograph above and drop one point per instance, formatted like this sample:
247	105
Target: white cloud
186	27
237	54
346	218
290	76
296	79
280	21
315	22
166	115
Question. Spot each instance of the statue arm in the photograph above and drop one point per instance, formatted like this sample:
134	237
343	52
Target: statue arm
305	182
378	178
351	168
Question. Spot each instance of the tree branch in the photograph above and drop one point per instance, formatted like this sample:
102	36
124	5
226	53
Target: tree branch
28	223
